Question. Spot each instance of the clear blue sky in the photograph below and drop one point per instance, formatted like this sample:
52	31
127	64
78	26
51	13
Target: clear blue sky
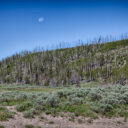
26	24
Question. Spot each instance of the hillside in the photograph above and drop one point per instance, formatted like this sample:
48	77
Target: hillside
105	63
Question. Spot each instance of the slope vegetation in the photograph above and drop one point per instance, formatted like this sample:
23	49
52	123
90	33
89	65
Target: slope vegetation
106	63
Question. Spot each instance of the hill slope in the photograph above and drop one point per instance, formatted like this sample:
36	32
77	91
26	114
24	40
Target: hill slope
95	62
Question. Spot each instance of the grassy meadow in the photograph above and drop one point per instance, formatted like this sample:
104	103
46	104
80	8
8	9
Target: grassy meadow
90	100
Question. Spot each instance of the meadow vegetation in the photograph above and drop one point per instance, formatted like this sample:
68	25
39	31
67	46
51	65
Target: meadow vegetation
92	102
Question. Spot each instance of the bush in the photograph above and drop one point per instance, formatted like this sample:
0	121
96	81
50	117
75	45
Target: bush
29	126
38	107
109	100
62	93
35	110
66	103
51	122
81	92
104	108
40	101
24	106
29	114
38	126
80	121
77	101
125	97
90	121
53	101
104	100
94	94
5	114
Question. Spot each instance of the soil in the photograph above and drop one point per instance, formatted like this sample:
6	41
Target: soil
48	121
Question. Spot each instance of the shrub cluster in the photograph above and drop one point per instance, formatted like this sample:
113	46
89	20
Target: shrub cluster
78	100
5	114
24	106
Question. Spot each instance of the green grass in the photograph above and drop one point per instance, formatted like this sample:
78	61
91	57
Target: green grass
91	85
11	103
26	88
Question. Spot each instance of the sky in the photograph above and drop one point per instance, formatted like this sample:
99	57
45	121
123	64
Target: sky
27	24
